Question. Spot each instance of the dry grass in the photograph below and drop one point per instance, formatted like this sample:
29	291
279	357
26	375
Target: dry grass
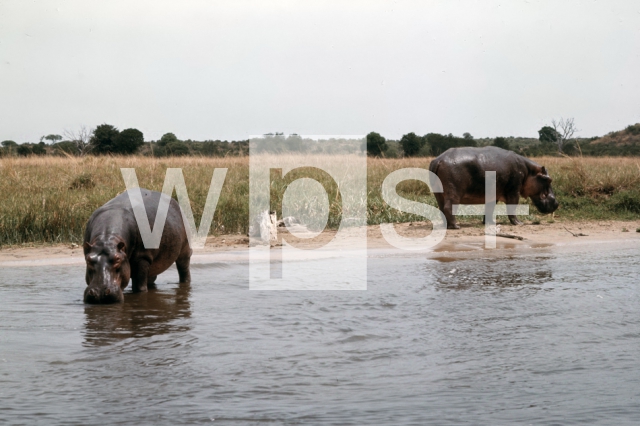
593	176
50	199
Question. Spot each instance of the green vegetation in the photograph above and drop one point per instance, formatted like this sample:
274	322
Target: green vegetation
376	144
501	143
412	144
106	139
555	140
49	199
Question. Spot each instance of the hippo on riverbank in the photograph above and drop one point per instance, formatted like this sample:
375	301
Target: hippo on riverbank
462	173
114	250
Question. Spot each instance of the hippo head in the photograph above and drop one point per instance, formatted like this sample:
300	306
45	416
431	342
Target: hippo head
538	188
108	270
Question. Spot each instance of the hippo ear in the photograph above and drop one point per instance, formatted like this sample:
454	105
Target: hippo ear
544	171
121	247
544	177
87	247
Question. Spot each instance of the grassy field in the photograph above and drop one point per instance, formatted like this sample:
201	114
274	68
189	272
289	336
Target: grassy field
48	200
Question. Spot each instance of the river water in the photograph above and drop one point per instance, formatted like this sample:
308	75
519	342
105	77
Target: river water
540	336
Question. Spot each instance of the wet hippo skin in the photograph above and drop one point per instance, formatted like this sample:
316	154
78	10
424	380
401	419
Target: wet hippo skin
462	173
114	250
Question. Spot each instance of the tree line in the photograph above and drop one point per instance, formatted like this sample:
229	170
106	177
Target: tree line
107	139
558	138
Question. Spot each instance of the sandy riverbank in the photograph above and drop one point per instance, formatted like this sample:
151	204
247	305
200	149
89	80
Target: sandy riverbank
469	237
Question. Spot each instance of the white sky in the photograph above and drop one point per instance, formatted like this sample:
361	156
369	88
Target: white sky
226	70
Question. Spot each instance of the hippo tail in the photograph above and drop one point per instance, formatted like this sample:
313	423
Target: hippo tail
433	166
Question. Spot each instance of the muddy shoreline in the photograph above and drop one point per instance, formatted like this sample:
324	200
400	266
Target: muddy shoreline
468	238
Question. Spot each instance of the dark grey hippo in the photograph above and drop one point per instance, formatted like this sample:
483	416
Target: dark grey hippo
114	250
462	173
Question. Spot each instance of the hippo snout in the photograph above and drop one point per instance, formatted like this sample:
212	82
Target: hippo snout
547	206
96	295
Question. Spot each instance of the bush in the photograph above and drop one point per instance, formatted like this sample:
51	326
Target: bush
104	139
177	149
376	144
167	138
39	149
633	129
411	144
65	147
128	141
24	150
440	143
628	200
393	150
501	142
82	181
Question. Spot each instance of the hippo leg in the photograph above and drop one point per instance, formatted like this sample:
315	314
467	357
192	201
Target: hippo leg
140	277
512	217
183	269
151	282
489	210
440	199
448	213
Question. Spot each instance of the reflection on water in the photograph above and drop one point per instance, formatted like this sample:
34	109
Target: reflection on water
496	272
542	336
141	315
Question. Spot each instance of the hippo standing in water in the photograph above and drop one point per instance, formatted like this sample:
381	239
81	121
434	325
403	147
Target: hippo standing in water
462	170
114	250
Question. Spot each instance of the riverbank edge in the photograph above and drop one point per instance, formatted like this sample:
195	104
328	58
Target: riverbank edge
469	238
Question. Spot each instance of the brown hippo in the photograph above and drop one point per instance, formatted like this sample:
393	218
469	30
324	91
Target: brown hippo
114	250
462	171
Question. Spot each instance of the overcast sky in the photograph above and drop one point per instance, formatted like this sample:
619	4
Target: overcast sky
226	70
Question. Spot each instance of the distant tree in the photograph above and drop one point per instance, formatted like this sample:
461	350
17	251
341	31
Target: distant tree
547	135
559	134
467	136
82	139
565	129
440	143
128	141
104	139
376	144
8	148
411	144
53	138
167	138
65	148
501	142
295	143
